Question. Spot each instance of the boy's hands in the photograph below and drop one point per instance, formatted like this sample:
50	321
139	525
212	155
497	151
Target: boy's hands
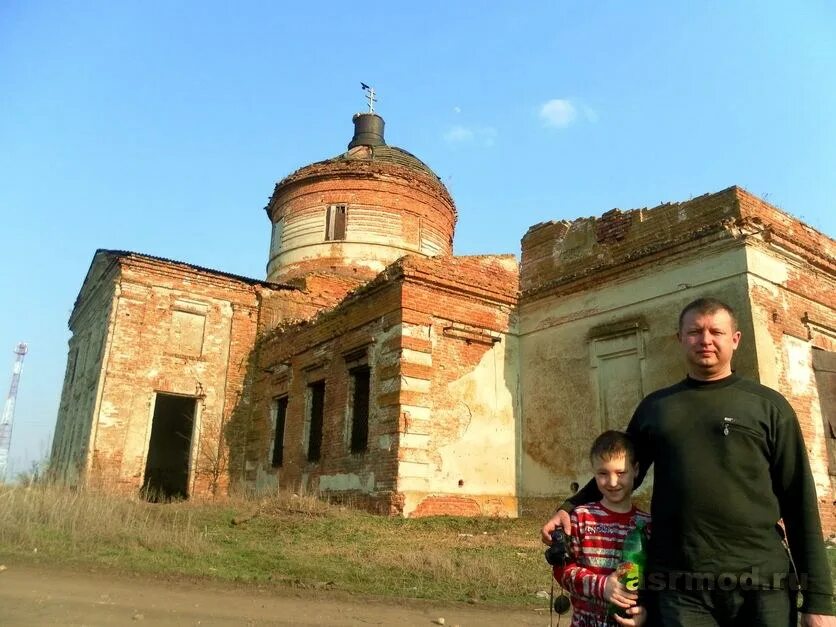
560	519
638	616
616	593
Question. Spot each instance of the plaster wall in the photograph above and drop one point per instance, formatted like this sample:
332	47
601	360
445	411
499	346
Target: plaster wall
88	347
459	441
588	356
364	259
471	432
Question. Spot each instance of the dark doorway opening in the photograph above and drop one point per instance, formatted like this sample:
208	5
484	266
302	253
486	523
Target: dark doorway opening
167	467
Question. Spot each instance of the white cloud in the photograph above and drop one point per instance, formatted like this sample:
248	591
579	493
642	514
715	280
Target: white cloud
487	136
484	136
457	109
558	113
458	134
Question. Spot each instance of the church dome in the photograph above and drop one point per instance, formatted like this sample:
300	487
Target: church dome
359	211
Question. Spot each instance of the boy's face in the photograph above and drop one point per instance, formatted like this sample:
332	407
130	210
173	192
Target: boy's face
615	479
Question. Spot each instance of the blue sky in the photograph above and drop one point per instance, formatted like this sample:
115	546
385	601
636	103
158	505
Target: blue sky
161	127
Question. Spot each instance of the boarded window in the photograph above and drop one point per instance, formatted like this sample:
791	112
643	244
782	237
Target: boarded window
316	410
335	222
616	360
279	417
188	322
824	366
360	379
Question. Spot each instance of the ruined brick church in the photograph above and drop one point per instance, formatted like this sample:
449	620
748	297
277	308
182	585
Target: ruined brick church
373	365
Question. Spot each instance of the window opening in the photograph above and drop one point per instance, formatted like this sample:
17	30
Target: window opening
360	380
316	410
335	222
279	419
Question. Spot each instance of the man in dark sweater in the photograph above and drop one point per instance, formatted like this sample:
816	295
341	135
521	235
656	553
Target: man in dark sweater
730	461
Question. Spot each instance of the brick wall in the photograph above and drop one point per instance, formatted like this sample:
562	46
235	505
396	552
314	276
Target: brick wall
558	252
144	355
421	326
792	289
292	357
392	210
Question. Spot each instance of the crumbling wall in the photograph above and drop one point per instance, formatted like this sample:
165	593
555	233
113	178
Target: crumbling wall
556	253
391	211
441	440
792	284
90	325
587	357
598	316
459	389
176	330
364	331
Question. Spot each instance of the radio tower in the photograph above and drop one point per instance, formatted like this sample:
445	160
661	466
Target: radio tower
9	410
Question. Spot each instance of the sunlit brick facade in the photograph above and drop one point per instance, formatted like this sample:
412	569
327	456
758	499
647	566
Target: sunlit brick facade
374	366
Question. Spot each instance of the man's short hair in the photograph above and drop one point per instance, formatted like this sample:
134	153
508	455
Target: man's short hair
611	445
704	306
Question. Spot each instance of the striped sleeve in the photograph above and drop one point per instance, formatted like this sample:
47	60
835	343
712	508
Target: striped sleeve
576	578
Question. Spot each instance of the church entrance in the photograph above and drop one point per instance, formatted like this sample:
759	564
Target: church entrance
167	466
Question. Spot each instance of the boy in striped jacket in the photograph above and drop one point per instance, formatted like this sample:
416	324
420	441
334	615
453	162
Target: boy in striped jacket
598	532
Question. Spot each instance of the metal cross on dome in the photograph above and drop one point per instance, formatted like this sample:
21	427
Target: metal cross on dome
369	96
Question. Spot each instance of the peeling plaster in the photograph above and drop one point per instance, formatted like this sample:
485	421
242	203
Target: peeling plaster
348	481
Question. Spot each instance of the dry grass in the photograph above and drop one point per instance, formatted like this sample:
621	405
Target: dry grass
284	540
78	520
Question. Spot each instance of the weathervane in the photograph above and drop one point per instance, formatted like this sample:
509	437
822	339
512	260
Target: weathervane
369	96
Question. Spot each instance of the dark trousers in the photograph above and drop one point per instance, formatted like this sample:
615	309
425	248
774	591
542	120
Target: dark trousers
721	608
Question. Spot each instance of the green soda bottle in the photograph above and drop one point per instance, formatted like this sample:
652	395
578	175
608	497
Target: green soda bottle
633	563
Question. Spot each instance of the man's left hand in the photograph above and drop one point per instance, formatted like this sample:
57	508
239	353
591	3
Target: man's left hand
817	620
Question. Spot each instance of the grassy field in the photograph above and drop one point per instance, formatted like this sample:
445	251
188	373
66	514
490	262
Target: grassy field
285	541
296	541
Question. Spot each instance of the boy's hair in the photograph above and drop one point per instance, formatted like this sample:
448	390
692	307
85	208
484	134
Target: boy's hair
613	444
708	306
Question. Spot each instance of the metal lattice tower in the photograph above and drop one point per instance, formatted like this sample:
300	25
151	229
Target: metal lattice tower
9	409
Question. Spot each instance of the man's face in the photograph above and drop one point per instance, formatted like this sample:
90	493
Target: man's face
709	341
614	478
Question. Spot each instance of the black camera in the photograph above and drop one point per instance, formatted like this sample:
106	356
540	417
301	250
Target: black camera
557	554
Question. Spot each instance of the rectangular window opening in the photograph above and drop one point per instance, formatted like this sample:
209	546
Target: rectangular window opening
824	368
360	383
279	417
335	222
316	410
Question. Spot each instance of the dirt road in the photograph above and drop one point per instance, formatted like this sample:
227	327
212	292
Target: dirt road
38	595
